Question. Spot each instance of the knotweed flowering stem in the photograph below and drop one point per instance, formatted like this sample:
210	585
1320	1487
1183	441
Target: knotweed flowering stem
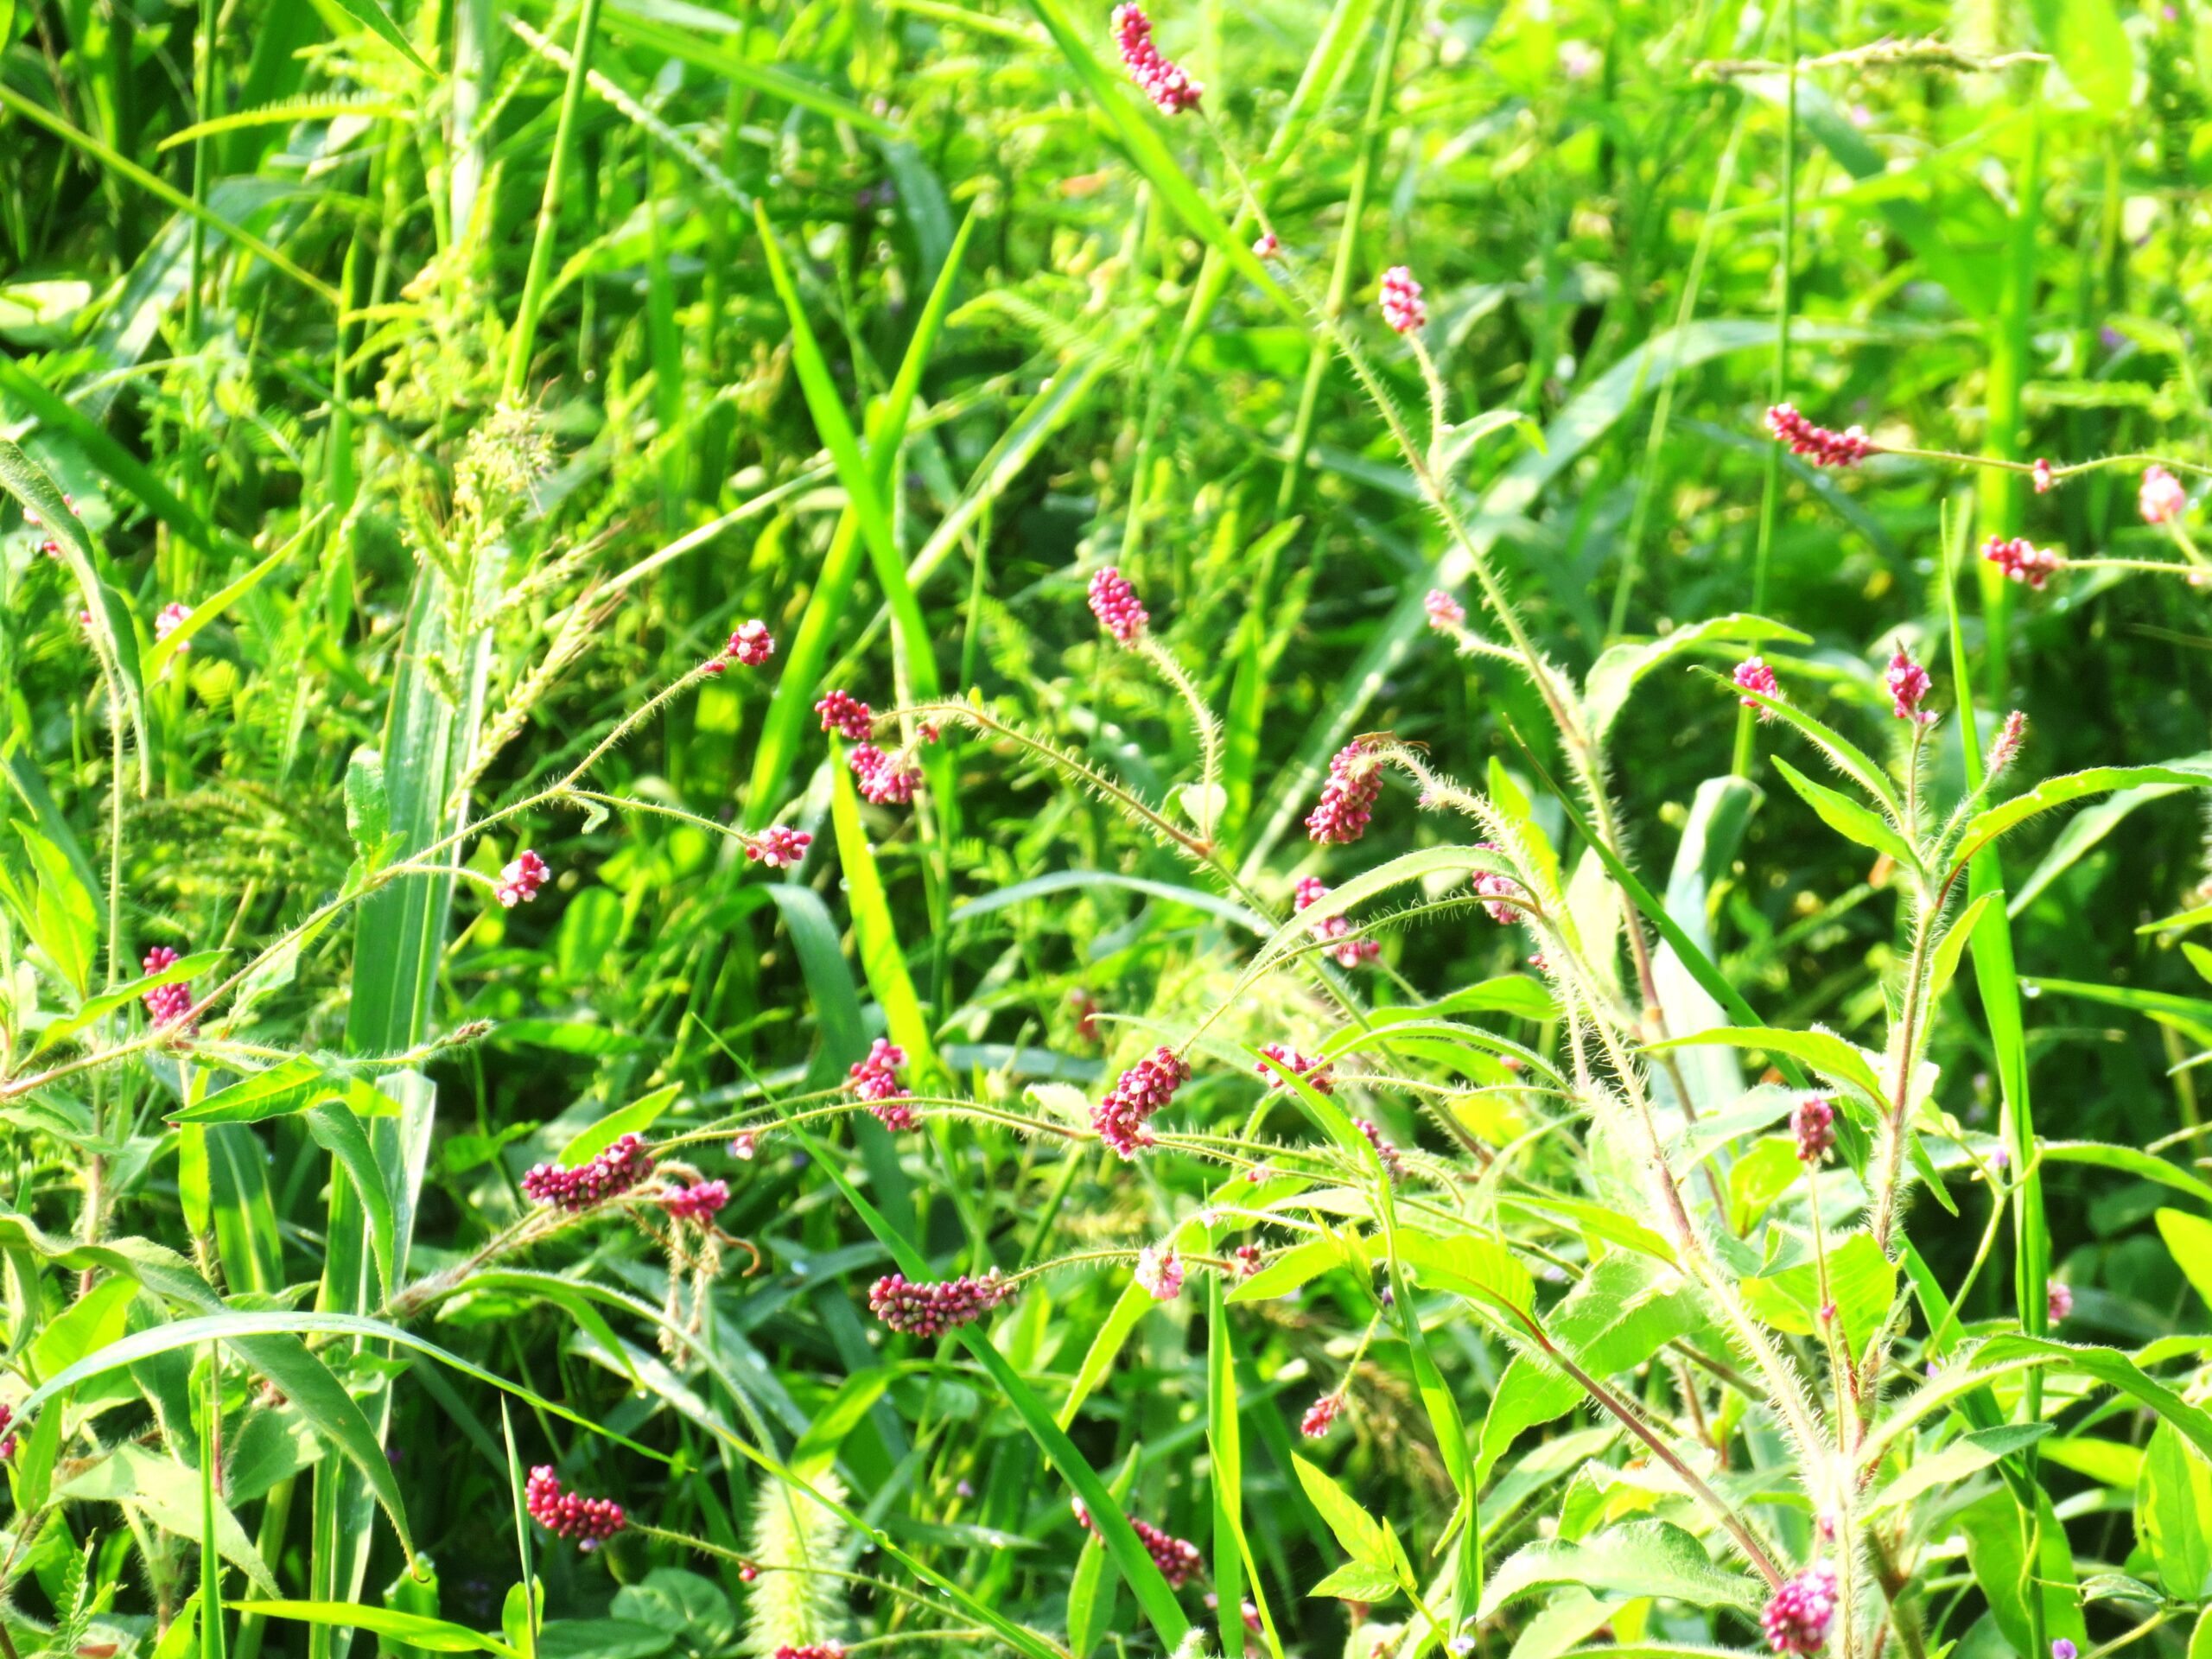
1207	726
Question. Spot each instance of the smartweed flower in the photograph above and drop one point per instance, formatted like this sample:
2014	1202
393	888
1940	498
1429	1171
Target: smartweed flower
1136	1096
1753	675
610	1174
1393	1162
1403	309
1160	1270
1813	1123
876	1080
171	617
1503	893
1176	1557
778	846
1798	1615
846	715
2058	1299
591	1519
1349	952
2163	498
1347	800
881	779
1817	443
1320	1415
1171	91
751	644
1267	247
701	1201
1908	684
2021	559
1444	611
1319	1076
930	1310
1114	603
2045	480
521	877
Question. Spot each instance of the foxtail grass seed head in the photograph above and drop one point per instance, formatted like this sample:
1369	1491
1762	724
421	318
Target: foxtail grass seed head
1267	247
2046	480
2161	498
608	1175
1444	613
590	1521
930	1310
521	877
1347	802
1797	1616
1320	1415
1400	298
701	1201
1907	682
1817	443
1160	1270
1753	675
2058	1299
1813	1124
1171	91
1114	603
779	846
1138	1094
2021	559
2010	737
1318	1076
166	1005
846	715
796	1534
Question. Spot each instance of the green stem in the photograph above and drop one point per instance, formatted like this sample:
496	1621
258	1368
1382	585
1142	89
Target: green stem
548	210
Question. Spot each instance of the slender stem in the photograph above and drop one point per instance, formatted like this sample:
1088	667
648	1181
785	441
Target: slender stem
520	343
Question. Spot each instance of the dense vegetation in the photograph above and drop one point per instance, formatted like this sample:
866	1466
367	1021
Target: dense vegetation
898	822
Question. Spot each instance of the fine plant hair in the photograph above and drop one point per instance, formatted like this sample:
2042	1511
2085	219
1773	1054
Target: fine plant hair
797	1545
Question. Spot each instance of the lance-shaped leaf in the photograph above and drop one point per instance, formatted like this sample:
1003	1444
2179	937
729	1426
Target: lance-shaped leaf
1986	826
1618	669
1847	819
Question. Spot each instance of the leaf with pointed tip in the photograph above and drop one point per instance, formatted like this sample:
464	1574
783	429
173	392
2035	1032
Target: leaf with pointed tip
1614	675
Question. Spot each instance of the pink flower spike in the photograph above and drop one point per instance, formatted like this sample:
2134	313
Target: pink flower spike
2010	737
1817	443
1753	675
751	644
2058	1299
2021	559
171	617
1798	1615
811	1650
699	1202
1138	1094
1505	894
1813	1122
1160	1270
1114	603
1908	684
2045	480
610	1174
591	1519
521	879
1349	952
1319	1076
881	780
1393	1162
779	846
2163	497
1348	798
1171	91
1444	613
166	1005
930	1310
744	1145
1267	247
1320	1415
846	715
1403	309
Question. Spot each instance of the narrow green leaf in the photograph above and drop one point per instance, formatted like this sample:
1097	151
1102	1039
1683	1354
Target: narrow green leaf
1847	819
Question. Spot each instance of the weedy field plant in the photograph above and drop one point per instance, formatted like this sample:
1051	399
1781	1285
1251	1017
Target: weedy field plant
474	1190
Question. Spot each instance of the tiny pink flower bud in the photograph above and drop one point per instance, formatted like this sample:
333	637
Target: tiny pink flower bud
1319	1077
846	715
699	1202
744	1144
1171	91
875	1079
1817	443
170	618
2163	498
521	877
779	846
1798	1615
1393	1162
1506	898
930	1310
1114	603
2021	559
1908	684
1320	1415
2058	1299
2045	480
2006	748
751	644
1403	309
1444	613
166	1005
1246	1257
1753	675
1267	247
1349	952
1160	1270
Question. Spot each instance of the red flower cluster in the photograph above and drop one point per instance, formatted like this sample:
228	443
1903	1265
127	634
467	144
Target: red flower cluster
2021	559
846	715
1908	684
1403	309
1163	82
1117	608
881	779
812	1650
701	1201
1347	803
1817	443
1444	611
521	877
1137	1095
166	1005
1753	675
1176	1557
1317	1075
566	1516
933	1309
1798	1615
1320	1415
752	645
1394	1163
614	1172
1813	1123
779	846
1500	891
1350	952
876	1080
